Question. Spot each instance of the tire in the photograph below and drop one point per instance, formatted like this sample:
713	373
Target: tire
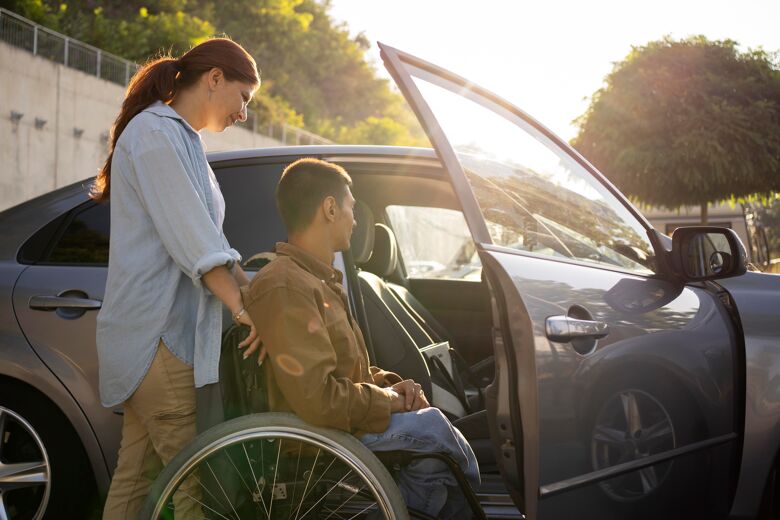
60	483
232	488
669	420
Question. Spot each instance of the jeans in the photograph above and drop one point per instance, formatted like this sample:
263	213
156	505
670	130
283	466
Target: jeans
427	484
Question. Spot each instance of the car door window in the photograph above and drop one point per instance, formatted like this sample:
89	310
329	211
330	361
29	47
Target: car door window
534	196
435	243
252	223
84	241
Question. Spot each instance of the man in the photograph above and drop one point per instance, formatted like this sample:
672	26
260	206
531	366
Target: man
319	363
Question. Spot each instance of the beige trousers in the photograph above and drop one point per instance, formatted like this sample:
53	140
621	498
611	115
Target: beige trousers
159	420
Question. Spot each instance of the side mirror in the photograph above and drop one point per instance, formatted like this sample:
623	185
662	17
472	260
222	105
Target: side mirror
707	253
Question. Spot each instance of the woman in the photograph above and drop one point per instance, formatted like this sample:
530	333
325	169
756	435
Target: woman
170	267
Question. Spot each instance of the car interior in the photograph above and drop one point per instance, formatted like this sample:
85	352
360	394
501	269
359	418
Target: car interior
436	331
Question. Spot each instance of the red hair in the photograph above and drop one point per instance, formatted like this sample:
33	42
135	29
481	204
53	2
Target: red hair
160	79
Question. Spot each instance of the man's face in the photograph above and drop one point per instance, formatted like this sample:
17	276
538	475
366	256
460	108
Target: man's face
344	223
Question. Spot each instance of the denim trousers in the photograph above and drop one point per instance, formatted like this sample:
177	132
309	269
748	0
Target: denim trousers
427	484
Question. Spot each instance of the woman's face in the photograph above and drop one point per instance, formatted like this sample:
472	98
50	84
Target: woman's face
227	101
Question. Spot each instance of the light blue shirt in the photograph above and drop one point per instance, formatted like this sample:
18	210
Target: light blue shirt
165	235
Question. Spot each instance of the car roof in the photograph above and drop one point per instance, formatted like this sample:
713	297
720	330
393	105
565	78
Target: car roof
23	220
322	150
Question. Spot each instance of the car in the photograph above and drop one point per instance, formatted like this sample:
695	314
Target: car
611	371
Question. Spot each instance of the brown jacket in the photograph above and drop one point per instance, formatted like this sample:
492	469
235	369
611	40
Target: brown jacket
318	360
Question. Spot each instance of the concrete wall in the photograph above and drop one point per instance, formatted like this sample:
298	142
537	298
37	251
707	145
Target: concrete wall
36	160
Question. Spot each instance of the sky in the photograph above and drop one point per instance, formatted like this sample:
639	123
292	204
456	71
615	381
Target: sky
548	57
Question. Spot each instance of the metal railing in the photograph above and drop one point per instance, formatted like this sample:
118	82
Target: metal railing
20	32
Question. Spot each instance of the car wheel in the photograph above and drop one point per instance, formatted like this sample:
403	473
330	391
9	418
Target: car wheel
635	418
44	471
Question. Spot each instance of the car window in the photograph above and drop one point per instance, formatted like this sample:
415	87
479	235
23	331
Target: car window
252	222
85	239
533	195
434	243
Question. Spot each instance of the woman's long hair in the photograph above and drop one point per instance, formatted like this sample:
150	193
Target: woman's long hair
160	79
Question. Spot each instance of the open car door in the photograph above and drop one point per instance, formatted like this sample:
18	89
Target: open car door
615	389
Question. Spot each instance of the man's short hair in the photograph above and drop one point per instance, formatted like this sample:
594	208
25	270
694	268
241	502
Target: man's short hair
304	185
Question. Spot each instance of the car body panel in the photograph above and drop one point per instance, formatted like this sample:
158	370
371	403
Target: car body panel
65	344
662	334
20	364
757	298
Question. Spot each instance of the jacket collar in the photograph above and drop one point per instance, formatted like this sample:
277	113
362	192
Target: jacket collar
309	262
161	109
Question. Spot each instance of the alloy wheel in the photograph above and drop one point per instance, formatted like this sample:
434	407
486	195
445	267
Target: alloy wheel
632	425
25	472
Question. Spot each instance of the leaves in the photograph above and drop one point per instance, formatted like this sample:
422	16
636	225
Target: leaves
686	123
314	73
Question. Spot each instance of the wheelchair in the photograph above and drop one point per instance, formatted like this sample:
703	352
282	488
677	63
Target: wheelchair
267	465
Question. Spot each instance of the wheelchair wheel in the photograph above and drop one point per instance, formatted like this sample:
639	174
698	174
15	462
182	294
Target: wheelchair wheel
274	466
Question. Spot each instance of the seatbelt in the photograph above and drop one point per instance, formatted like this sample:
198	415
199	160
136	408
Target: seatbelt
357	304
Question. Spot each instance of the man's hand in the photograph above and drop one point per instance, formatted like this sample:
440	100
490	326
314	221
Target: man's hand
252	340
410	397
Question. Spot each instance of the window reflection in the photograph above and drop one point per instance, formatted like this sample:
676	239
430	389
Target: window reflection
534	196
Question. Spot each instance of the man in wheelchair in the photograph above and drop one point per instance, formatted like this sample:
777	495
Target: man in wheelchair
318	360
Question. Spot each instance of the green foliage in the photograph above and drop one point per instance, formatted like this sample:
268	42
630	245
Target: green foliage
314	74
125	29
687	123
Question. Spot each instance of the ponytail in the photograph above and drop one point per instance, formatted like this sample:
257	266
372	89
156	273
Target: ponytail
160	79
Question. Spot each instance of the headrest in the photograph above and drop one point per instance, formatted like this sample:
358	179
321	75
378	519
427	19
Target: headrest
362	242
384	258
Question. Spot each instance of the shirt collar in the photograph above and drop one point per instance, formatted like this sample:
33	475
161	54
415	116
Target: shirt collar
309	262
161	109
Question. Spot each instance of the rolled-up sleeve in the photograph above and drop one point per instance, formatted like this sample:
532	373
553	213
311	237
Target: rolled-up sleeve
179	215
304	362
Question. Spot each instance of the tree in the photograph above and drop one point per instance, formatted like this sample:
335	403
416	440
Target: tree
314	73
687	122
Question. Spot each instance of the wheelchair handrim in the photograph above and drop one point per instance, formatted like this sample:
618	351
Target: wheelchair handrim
284	432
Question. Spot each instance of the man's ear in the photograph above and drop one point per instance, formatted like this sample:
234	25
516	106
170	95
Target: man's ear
329	208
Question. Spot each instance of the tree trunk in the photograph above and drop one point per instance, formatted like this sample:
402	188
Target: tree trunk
704	207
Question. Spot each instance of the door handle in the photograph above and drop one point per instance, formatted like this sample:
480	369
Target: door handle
46	303
563	329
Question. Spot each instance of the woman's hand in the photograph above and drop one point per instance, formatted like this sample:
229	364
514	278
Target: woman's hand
253	340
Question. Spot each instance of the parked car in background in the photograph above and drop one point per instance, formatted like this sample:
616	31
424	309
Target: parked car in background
629	374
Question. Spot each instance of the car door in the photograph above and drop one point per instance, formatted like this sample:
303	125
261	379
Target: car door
56	301
615	393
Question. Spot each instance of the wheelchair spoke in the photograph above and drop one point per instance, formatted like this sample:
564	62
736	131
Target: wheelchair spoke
203	505
306	487
327	493
334	511
276	471
223	491
257	482
241	476
315	484
216	500
295	480
369	506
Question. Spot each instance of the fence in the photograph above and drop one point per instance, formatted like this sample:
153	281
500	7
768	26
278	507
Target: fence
41	41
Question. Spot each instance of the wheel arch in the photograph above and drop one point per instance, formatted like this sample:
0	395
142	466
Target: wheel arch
643	371
48	389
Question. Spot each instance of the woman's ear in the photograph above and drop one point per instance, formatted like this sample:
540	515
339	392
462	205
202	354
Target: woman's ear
215	78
